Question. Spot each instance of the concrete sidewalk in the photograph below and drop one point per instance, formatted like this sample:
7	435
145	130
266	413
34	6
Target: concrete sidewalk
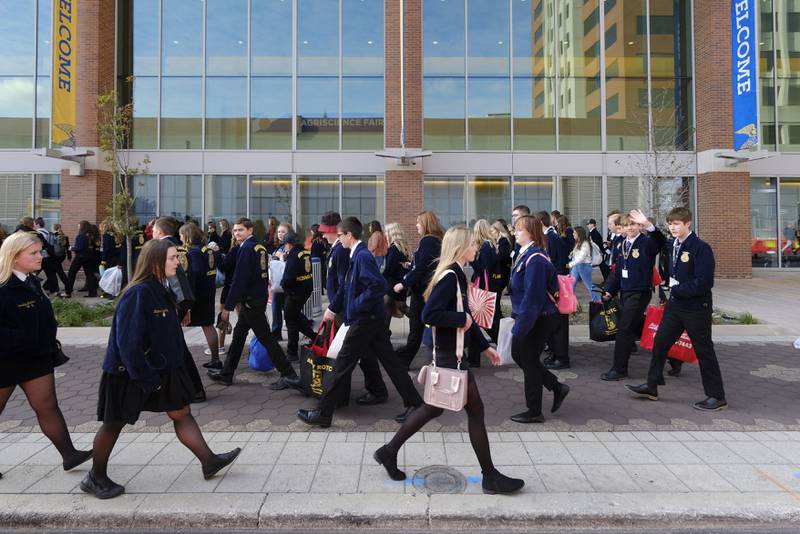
328	479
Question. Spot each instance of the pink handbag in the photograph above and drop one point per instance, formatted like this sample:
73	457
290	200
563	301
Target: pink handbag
444	387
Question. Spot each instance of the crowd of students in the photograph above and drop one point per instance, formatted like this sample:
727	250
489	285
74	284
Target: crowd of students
178	268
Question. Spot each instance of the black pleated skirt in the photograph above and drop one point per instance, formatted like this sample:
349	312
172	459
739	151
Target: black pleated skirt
203	312
15	372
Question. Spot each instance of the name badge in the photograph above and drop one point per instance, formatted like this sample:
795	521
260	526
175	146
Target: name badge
624	273
673	281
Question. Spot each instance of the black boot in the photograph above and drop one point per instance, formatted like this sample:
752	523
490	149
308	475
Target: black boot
76	459
496	482
388	460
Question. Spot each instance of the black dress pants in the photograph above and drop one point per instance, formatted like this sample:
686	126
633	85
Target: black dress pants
87	263
559	338
252	316
362	339
632	304
416	327
49	268
373	379
296	322
697	324
526	352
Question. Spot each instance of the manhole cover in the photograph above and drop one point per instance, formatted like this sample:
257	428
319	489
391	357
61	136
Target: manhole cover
439	479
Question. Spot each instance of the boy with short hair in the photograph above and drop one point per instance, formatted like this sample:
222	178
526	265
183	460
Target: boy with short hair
691	277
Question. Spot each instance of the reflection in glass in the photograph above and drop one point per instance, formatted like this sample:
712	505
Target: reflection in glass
43	90
672	113
144	188
362	113
654	196
145	112
16	194
226	38
270	196
17	37
44	66
790	222
47	199
670	39
364	197
766	40
787	25
579	118
181	112
226	108
488	197
626	111
271	30
581	197
316	195
318	37
226	197
182	37
764	221
317	113
16	111
182	197
487	38
444	195
443	40
533	37
489	113
788	100
362	37
626	38
443	124
536	192
271	113
145	37
534	114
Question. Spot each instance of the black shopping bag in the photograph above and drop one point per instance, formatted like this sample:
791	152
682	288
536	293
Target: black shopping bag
603	320
318	371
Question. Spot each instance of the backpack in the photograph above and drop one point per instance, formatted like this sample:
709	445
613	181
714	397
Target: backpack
57	242
597	255
566	302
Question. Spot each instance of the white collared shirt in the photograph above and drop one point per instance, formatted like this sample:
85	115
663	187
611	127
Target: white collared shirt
22	276
679	241
353	250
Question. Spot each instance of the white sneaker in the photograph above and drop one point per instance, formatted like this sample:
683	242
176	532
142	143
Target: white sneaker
222	350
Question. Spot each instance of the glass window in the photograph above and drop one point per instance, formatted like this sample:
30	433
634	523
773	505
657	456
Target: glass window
364	197
655	196
16	111
444	195
145	37
788	114
362	114
145	112
362	37
764	221
536	192
443	41
579	118
488	40
534	114
181	112
488	197
226	38
318	37
629	51
226	109
271	29
43	90
627	123
533	56
318	113
182	34
144	189
790	222
47	200
16	198
17	38
443	124
787	15
489	114
271	113
316	195
45	28
226	197
766	41
581	197
182	197
270	196
673	114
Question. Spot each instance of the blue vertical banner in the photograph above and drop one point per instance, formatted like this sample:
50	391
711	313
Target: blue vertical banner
744	55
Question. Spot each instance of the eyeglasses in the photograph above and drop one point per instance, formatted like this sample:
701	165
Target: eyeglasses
339	235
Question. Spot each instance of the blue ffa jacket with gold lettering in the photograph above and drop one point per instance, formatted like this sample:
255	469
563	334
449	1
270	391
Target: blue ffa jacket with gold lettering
338	262
423	265
394	271
203	264
361	296
502	268
113	252
251	275
692	264
146	335
27	321
483	265
637	260
297	278
440	311
533	281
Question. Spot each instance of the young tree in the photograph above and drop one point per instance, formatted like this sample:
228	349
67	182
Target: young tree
115	129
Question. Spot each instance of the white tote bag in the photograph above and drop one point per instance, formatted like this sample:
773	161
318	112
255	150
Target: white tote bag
504	337
111	281
276	268
338	341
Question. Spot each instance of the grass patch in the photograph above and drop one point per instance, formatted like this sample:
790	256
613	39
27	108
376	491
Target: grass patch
721	317
71	312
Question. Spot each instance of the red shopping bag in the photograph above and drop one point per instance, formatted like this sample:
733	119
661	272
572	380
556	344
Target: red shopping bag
325	334
656	277
682	349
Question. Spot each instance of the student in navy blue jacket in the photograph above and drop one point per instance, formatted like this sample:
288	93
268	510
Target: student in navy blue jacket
249	291
395	270
297	284
559	255
28	345
83	258
144	370
483	267
360	300
424	263
448	286
227	266
516	213
532	288
691	277
610	245
633	280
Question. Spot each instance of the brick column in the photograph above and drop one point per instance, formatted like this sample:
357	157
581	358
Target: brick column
404	192
86	197
723	197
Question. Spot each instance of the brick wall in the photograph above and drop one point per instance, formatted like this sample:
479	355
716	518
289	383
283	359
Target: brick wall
84	198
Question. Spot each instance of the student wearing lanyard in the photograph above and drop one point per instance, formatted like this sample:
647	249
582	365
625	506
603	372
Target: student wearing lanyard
633	280
691	277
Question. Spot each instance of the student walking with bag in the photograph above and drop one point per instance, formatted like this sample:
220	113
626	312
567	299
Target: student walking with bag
558	252
297	285
483	266
580	265
144	370
83	250
536	318
447	311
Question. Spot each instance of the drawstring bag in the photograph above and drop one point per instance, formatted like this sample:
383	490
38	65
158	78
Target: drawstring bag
259	358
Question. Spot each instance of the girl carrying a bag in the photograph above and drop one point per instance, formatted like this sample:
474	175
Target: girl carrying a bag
440	311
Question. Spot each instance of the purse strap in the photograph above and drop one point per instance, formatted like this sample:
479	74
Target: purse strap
459	331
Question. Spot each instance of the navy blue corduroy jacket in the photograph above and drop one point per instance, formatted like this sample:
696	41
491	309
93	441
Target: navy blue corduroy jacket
360	299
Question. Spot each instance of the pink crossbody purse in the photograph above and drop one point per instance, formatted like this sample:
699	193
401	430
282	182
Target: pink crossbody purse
444	387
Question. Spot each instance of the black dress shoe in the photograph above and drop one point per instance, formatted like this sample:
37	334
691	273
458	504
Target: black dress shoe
675	369
613	376
401	418
314	418
77	459
558	397
216	365
710	405
102	489
557	363
388	460
549	358
216	376
220	462
286	382
496	482
368	399
528	417
644	391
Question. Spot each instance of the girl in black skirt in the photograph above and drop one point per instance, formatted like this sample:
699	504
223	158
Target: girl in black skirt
28	346
144	369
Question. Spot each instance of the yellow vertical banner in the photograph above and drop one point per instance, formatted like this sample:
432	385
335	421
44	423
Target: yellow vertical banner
65	73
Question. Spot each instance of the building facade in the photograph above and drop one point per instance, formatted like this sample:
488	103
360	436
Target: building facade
277	107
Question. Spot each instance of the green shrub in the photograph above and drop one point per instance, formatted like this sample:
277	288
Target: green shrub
74	313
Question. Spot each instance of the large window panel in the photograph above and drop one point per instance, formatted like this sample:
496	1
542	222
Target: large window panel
766	48
362	113
144	189
671	40
182	197
182	37
488	197
270	196
271	30
444	125
47	198
489	113
581	197
226	109
443	41
487	38
318	37
536	192
788	100
44	66
43	91
181	113
533	37
318	113
145	37
16	111
673	113
444	195
626	42
316	195
534	114
16	199
271	113
790	222
145	112
627	123
579	118
17	38
764	221
787	27
362	37
655	196
226	38
364	197
226	197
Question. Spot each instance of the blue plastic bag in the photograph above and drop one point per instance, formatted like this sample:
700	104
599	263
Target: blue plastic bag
427	337
219	280
259	359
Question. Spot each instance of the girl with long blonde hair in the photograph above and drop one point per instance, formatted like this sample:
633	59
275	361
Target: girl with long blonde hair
483	266
449	283
395	269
